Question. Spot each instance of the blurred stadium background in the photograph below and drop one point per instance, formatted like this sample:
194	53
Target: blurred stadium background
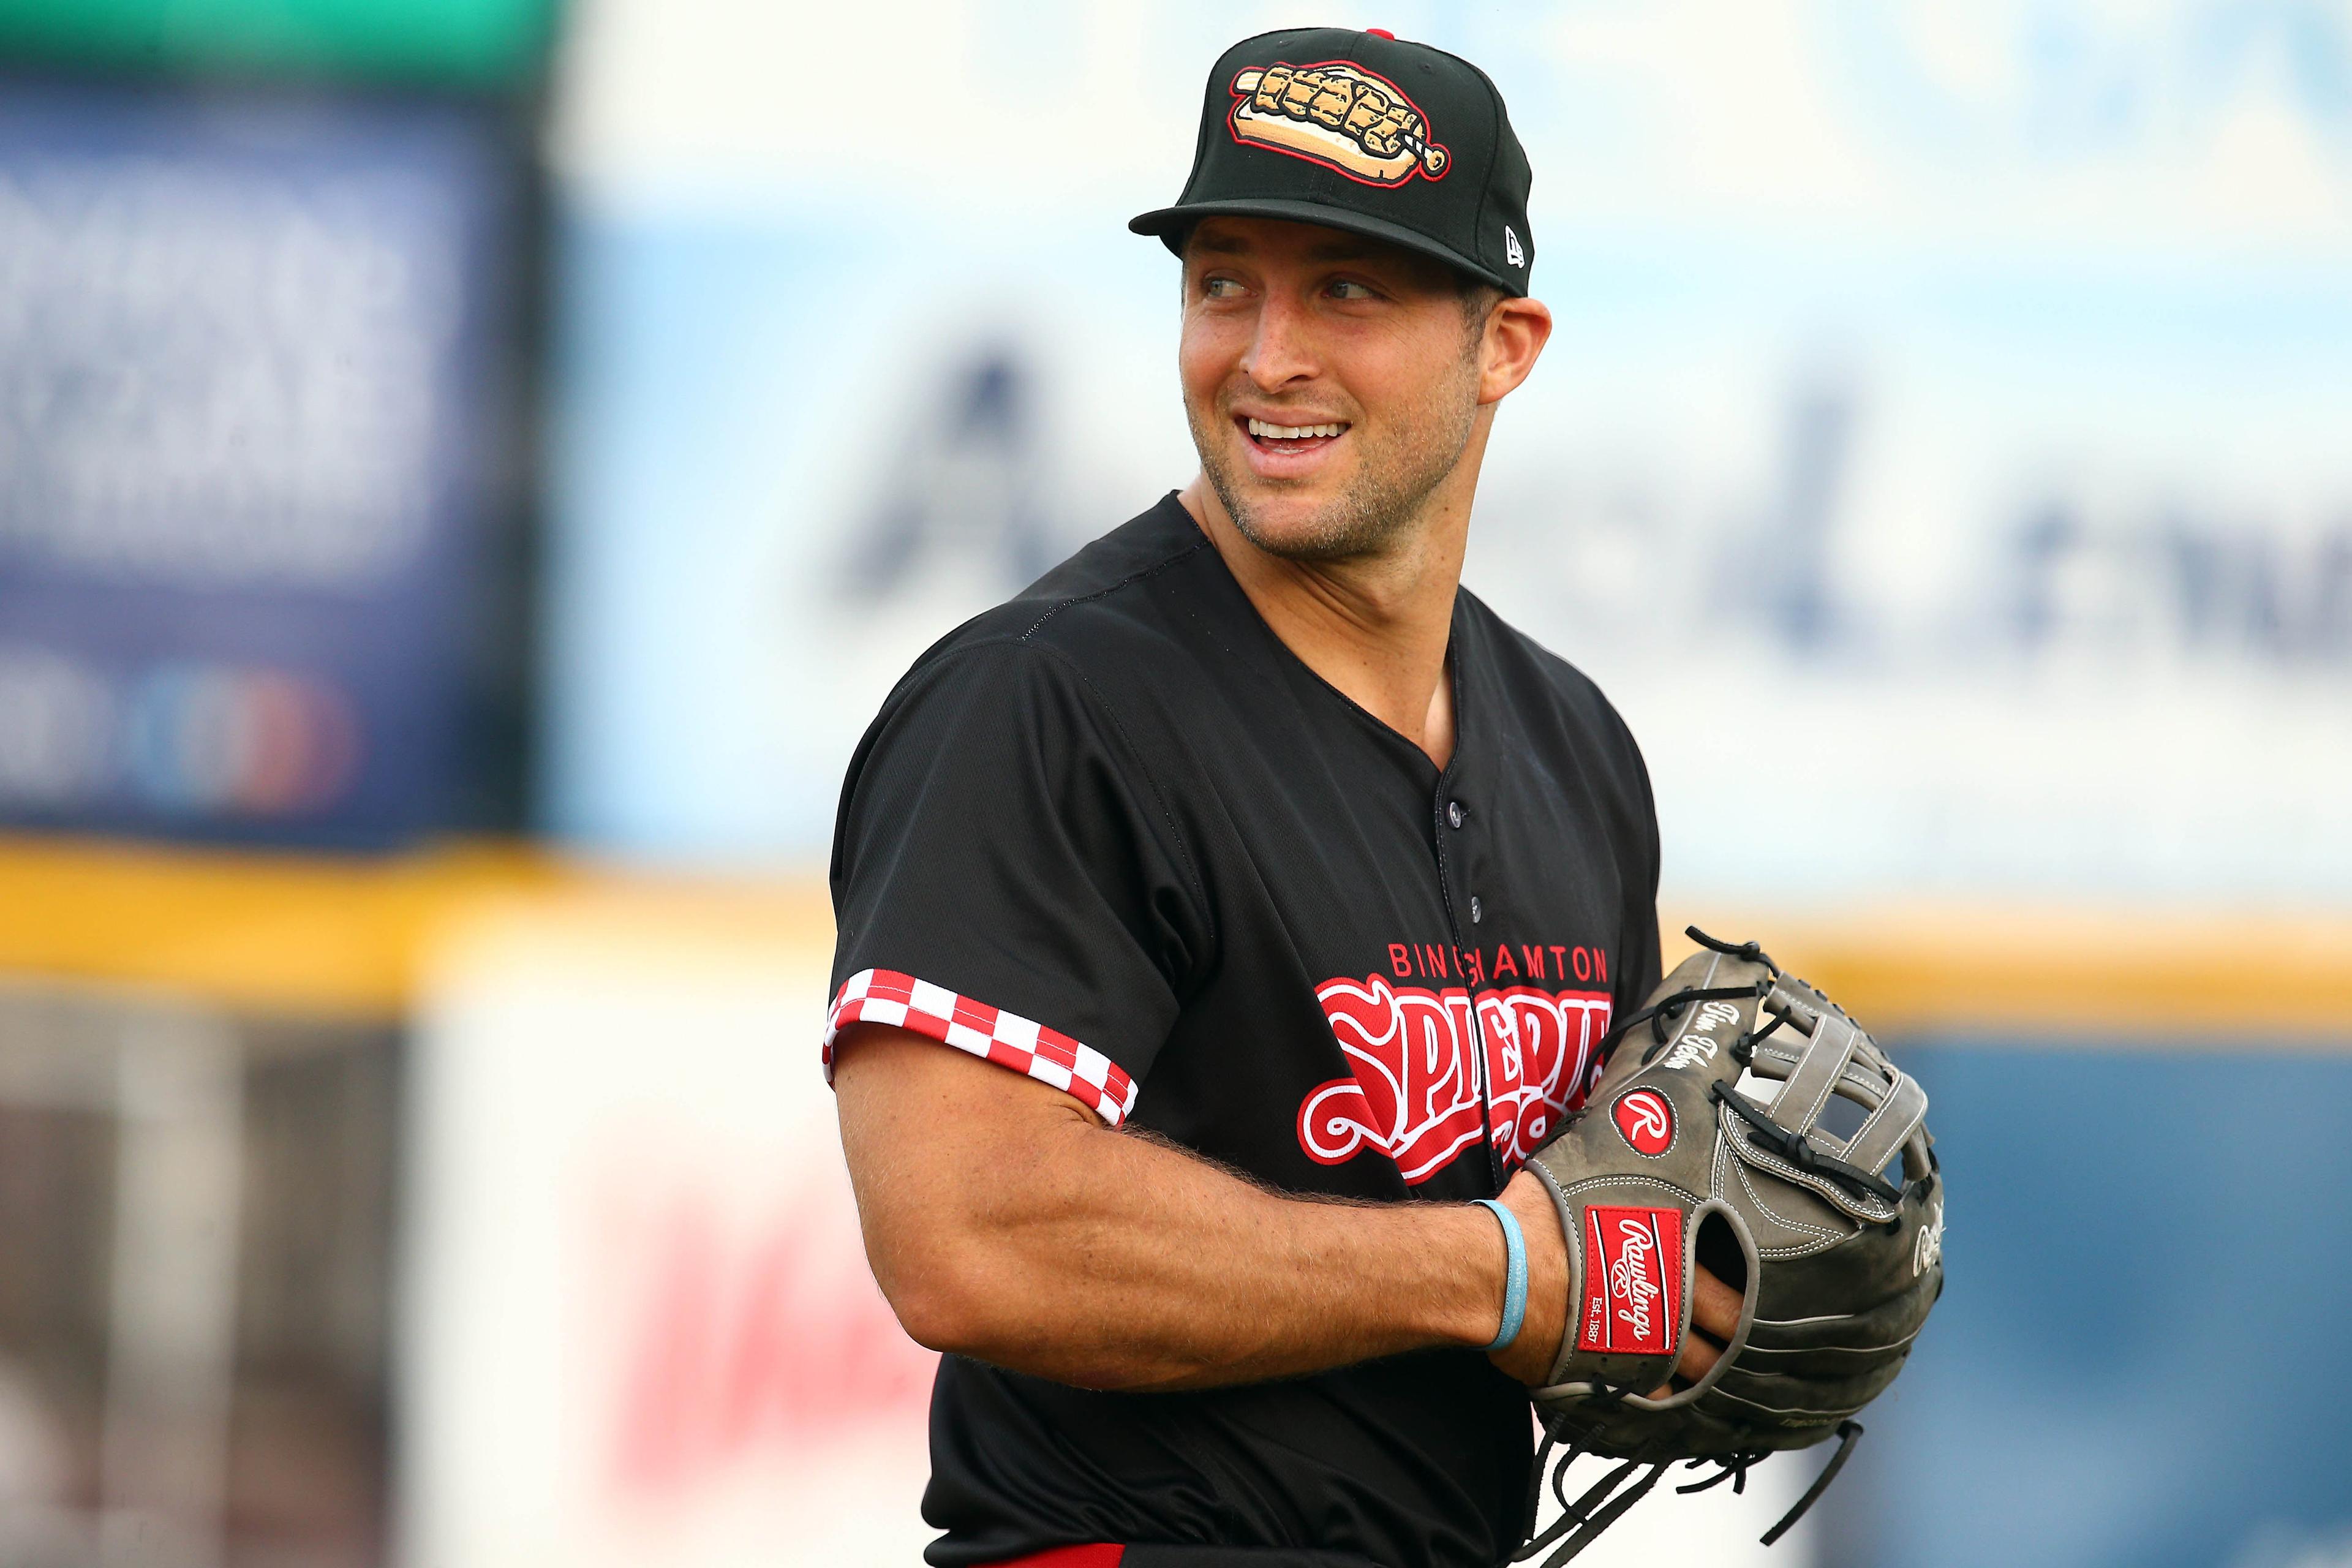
469	469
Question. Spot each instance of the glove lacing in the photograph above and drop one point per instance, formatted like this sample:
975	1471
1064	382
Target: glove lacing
1603	1503
1666	1009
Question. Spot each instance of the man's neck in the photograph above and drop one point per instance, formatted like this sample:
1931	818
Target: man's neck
1376	627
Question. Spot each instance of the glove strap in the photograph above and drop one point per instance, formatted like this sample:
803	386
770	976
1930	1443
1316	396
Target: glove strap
1515	1276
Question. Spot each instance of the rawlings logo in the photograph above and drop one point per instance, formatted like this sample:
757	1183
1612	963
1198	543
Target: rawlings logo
1636	1280
1645	1119
1927	1248
1414	1095
1633	1280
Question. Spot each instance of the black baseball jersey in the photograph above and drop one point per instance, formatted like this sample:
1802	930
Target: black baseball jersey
1114	834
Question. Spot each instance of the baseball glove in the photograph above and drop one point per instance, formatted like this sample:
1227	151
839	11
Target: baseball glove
1715	1136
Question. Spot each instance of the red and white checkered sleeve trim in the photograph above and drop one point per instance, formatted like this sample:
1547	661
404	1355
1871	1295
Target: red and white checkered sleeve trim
886	996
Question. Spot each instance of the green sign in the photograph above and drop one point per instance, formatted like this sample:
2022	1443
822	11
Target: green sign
470	43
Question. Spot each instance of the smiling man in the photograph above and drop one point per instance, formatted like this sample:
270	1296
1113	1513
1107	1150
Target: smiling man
1224	918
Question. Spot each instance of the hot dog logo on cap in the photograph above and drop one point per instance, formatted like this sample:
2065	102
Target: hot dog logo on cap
1339	115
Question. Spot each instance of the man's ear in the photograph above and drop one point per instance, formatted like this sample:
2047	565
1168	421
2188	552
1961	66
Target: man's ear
1515	332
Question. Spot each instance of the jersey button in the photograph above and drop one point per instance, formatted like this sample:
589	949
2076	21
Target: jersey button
1476	914
1453	812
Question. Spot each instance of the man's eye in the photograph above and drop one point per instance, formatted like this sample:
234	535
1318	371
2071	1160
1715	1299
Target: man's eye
1219	288
1348	288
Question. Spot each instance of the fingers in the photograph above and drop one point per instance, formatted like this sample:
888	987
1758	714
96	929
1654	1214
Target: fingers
1698	1358
1715	1306
1715	1318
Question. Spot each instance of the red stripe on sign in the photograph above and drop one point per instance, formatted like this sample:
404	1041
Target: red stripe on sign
1633	1279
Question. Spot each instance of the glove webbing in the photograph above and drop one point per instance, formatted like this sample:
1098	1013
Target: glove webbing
1799	1151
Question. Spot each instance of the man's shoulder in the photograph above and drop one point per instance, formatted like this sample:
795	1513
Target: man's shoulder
1097	609
1081	658
1539	684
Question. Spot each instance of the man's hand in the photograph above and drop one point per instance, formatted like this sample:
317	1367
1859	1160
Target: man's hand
1530	1357
1715	1318
1715	1306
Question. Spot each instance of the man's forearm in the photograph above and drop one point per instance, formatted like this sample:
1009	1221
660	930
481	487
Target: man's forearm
1022	1232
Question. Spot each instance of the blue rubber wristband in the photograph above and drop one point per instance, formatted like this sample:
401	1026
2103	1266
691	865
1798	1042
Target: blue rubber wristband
1515	1276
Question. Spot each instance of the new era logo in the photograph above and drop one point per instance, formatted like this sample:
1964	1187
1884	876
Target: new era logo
1633	1280
1511	251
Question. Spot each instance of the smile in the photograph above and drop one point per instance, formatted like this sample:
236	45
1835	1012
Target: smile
1288	451
1266	431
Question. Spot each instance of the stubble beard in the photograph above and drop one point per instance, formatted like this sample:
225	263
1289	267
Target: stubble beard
1381	503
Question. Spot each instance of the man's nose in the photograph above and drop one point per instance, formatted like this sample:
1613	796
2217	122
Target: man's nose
1279	352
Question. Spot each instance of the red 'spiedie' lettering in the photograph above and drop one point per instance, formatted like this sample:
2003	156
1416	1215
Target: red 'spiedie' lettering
1413	1052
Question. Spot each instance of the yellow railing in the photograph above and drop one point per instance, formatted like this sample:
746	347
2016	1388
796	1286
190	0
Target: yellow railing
2211	975
339	936
300	933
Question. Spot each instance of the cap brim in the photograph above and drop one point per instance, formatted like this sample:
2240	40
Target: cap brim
1171	224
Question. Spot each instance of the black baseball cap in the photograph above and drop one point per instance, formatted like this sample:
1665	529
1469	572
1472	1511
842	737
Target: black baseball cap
1367	132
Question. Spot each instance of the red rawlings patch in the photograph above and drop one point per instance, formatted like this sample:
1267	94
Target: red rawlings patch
1633	1280
1646	1119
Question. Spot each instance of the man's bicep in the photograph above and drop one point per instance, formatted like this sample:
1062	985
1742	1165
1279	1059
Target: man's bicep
901	1092
937	1142
929	1132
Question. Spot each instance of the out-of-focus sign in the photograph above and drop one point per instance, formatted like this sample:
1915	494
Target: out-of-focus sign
472	42
251	404
1962	389
638	1322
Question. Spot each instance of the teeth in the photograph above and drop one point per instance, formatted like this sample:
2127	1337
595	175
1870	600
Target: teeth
1291	432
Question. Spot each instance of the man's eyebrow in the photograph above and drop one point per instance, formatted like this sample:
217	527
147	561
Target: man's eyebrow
1339	247
1222	245
1350	249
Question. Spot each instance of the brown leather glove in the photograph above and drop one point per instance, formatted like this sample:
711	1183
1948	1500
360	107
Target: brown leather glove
1709	1140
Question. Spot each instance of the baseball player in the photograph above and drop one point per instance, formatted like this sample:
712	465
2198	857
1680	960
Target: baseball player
1224	917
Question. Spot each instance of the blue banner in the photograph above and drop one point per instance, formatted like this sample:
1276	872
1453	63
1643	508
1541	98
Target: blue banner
251	444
